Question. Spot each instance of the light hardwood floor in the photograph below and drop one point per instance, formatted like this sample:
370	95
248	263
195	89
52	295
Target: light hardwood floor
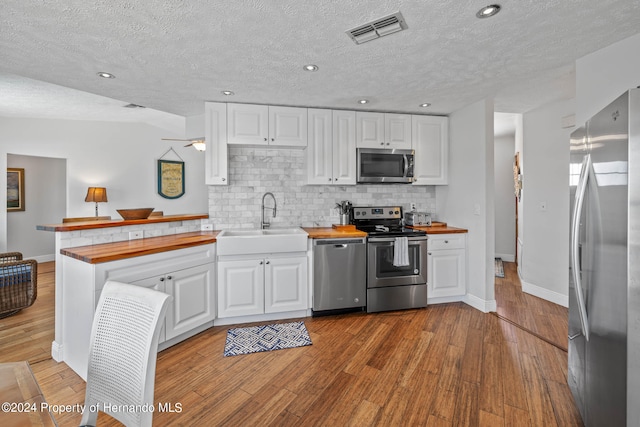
447	365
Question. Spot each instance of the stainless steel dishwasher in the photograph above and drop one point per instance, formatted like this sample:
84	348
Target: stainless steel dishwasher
339	275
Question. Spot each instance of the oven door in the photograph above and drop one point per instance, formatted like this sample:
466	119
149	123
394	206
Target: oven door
380	269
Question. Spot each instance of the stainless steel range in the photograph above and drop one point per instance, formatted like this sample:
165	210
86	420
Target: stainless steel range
396	259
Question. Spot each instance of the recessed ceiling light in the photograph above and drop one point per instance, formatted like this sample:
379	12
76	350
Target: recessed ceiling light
310	67
488	11
106	75
425	105
363	101
227	92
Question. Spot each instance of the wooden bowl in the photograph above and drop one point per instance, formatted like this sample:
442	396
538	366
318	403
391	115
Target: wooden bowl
140	213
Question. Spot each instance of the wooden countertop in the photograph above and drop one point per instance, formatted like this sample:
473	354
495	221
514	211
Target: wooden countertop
96	254
437	227
88	225
333	233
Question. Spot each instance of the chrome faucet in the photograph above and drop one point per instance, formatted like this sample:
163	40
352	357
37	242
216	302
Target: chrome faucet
264	224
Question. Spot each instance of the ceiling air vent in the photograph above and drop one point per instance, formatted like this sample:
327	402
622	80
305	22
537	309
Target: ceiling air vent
380	27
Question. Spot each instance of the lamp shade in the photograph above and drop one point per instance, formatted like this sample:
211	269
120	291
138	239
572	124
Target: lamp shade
96	194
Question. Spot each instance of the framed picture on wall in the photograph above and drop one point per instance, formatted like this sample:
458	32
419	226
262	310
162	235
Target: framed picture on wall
15	189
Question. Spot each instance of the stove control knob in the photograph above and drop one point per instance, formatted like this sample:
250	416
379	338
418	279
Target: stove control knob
396	212
390	212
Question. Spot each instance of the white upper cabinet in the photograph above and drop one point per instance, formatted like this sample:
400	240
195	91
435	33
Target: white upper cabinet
267	125
216	158
369	130
397	131
344	147
288	126
248	124
383	130
331	150
431	145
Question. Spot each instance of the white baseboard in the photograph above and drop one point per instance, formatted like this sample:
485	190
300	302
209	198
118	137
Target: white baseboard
56	352
507	257
544	293
262	317
43	258
484	306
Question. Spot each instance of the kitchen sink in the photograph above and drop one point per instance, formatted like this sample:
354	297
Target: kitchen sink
256	241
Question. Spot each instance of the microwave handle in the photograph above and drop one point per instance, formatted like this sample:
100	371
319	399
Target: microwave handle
406	164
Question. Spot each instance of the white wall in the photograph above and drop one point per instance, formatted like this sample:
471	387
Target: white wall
45	203
119	156
505	200
468	200
606	74
545	261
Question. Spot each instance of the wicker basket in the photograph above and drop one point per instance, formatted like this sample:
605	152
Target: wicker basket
18	283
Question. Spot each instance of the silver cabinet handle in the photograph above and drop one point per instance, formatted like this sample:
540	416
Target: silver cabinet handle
329	179
268	262
261	262
382	143
272	139
162	279
446	241
265	139
428	253
169	277
224	179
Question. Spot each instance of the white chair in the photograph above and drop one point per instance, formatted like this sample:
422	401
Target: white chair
122	354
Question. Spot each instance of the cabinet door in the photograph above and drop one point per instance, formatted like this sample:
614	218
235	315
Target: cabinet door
156	283
397	131
240	288
344	147
193	294
430	136
216	159
285	284
369	130
319	147
247	124
288	126
446	273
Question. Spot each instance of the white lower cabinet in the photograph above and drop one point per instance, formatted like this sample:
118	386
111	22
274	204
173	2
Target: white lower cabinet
446	266
188	275
193	302
262	285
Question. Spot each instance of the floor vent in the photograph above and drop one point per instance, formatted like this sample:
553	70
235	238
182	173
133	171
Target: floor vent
379	28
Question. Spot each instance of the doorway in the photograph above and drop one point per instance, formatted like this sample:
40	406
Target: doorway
45	201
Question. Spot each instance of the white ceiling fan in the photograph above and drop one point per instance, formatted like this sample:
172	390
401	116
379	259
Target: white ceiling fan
197	143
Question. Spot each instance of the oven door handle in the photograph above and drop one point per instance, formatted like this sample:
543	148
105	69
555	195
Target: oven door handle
393	239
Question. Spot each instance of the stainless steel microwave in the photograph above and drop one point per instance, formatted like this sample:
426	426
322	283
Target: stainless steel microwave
385	165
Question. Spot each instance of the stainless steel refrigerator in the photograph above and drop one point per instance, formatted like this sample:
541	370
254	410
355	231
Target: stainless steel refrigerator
604	273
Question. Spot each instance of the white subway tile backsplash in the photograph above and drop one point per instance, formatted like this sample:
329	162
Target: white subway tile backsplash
254	171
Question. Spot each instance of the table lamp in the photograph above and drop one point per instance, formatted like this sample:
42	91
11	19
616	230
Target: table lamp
97	195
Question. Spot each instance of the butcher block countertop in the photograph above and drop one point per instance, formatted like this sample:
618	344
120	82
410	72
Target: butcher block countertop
88	225
335	232
106	252
437	227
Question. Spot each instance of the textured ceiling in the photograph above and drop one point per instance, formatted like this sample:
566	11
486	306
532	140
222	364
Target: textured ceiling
173	55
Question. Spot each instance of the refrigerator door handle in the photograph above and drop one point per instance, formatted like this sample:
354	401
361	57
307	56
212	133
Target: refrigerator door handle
575	239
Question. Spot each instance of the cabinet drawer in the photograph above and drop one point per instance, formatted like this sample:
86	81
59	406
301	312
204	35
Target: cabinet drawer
446	241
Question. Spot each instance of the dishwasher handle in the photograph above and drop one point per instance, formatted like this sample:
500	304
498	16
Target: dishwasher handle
338	243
